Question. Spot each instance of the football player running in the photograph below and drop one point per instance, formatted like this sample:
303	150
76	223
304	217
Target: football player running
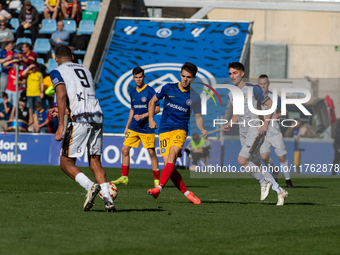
252	136
179	100
76	95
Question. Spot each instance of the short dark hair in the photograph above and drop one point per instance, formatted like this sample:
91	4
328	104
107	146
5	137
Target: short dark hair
38	104
137	70
263	76
4	94
195	136
8	43
236	65
63	51
189	67
28	45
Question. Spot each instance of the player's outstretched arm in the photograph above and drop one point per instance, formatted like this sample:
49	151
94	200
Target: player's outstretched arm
129	121
200	124
61	102
151	111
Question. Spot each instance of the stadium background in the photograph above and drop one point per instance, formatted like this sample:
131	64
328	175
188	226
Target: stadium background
308	49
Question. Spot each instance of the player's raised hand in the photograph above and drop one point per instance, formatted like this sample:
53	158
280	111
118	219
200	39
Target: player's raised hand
59	134
53	112
152	124
204	133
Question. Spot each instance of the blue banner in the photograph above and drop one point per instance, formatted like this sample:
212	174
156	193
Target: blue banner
161	48
42	149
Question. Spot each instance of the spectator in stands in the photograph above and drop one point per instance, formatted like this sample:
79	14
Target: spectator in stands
5	112
29	19
299	129
60	37
66	4
4	15
51	7
28	56
5	55
42	119
49	93
6	35
25	115
11	83
198	148
34	85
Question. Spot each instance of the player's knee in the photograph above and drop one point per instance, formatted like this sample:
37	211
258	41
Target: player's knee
265	158
282	159
125	151
242	161
152	153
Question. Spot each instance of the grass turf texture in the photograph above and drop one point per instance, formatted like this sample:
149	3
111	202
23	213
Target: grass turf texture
41	213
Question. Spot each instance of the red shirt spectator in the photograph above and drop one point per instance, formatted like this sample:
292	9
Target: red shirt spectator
28	57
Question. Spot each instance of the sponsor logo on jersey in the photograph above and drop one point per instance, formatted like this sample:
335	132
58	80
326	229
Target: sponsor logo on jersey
162	150
55	80
143	99
140	106
189	102
175	106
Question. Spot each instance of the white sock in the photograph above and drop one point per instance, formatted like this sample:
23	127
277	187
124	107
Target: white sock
186	193
84	181
160	188
285	170
105	191
255	172
271	179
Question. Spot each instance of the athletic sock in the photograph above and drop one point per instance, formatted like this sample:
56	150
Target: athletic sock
166	173
255	172
177	179
105	191
186	193
155	174
271	179
125	171
84	181
285	170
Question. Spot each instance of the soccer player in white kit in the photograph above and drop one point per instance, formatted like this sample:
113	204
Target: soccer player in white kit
250	133
274	137
76	95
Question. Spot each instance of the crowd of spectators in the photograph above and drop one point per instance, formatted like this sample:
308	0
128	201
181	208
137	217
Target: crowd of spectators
33	81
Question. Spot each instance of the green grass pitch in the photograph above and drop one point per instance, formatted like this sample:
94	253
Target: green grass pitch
41	213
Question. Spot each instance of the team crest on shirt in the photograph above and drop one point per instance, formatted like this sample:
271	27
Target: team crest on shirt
189	102
143	99
162	150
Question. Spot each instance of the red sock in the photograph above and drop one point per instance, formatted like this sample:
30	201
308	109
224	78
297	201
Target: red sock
125	171
166	174
177	179
155	174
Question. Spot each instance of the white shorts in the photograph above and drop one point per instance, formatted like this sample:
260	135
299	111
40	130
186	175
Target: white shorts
277	142
79	136
247	142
